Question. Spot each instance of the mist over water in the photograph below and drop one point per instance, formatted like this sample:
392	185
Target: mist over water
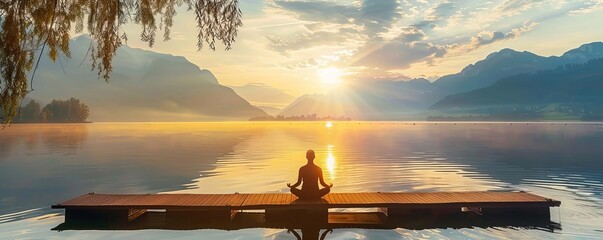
44	164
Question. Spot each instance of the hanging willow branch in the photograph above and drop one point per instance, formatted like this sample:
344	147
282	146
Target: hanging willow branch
30	28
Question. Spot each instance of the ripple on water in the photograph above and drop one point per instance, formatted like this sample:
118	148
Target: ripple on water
557	161
20	215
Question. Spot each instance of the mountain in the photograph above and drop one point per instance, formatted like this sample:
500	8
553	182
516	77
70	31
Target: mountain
497	65
262	94
309	104
399	99
365	100
569	84
144	86
585	52
508	62
270	110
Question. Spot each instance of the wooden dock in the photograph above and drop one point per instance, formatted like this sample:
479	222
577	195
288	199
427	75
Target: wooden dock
224	207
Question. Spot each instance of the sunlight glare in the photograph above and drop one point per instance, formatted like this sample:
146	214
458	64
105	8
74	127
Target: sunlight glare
331	162
331	77
329	124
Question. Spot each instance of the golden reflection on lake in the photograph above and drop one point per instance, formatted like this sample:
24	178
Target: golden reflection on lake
42	164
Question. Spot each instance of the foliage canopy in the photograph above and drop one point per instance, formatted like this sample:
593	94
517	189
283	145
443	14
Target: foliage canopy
31	28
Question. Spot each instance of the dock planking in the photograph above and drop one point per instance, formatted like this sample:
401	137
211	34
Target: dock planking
332	200
392	203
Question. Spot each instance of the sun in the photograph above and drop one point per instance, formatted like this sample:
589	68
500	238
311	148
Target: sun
331	77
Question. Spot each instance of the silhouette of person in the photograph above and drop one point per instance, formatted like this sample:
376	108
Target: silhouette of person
310	175
310	234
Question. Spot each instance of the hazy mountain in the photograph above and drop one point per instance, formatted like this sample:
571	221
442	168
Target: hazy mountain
144	86
392	99
270	110
585	52
497	65
262	94
508	62
366	100
309	104
570	84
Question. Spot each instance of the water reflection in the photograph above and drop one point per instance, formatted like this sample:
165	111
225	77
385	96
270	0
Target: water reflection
52	138
331	162
312	228
41	165
47	163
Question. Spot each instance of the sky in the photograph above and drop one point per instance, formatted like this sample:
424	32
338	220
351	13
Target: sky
303	47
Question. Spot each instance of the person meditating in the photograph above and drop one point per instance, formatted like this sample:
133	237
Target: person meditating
310	175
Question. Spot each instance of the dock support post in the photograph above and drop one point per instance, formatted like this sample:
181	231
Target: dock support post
529	212
315	215
188	217
89	215
420	212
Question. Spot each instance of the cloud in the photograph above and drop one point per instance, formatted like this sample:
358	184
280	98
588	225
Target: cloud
412	34
320	11
588	7
399	54
440	11
367	19
510	8
435	15
375	16
488	37
320	61
514	7
304	64
432	30
309	40
378	16
408	47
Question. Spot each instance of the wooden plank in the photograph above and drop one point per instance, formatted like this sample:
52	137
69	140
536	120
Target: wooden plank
344	198
271	199
218	200
209	199
329	198
268	199
366	198
334	198
249	200
282	199
340	198
237	201
262	200
352	199
276	199
360	198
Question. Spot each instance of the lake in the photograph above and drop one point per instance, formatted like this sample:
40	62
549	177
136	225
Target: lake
44	164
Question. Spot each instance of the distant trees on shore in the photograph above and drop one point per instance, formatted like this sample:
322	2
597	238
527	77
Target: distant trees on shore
57	111
311	117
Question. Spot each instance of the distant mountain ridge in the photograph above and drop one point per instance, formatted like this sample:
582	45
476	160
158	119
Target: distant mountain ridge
144	86
262	94
567	84
398	99
508	62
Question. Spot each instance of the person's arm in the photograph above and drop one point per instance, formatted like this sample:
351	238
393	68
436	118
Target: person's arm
299	180
322	181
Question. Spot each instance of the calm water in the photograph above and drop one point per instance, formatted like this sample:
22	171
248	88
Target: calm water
42	165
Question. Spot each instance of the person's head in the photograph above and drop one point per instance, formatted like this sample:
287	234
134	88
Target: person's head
310	155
